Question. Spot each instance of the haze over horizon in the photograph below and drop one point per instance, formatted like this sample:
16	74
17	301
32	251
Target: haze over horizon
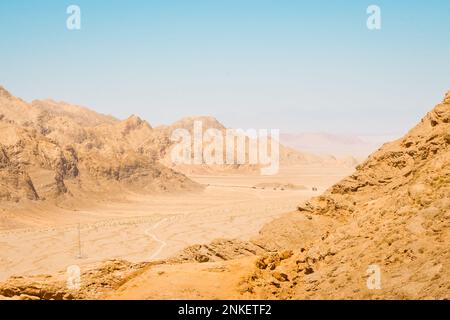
299	67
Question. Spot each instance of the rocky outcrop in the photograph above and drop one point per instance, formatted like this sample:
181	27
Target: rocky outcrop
49	143
392	214
15	184
218	250
94	281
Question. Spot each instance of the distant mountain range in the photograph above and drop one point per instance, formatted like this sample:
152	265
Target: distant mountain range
339	145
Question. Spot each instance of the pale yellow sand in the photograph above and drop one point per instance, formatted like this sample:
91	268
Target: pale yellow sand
144	228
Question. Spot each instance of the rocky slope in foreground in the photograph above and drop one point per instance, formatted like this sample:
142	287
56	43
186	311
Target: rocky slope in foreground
392	213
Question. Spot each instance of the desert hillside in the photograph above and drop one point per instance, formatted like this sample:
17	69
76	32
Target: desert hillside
52	150
287	156
393	212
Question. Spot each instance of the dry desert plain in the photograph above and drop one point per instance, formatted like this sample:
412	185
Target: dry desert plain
149	227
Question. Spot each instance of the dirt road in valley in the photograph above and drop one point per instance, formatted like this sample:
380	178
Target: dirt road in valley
144	228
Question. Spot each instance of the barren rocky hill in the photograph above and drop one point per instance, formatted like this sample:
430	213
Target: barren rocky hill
287	156
392	213
50	149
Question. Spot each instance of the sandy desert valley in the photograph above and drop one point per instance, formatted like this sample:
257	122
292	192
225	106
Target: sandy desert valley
140	228
78	188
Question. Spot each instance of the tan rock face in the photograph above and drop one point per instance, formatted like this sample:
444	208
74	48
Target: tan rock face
96	280
45	144
393	212
16	185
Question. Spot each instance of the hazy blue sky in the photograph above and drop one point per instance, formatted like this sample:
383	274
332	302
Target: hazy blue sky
295	65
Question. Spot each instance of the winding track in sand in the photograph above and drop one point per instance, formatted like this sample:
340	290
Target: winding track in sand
145	228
